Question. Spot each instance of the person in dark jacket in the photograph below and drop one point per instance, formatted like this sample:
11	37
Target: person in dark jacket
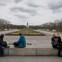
1	47
56	38
54	41
21	43
3	43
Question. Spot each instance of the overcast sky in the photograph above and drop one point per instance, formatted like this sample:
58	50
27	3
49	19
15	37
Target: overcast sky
34	12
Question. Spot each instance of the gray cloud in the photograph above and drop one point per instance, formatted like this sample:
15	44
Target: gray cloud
1	4
21	16
55	6
33	5
14	10
17	1
29	10
5	2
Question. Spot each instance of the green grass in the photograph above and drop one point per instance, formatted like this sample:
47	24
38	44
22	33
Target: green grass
27	32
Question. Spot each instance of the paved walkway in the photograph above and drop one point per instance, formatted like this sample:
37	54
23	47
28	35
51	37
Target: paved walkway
8	31
36	41
47	33
31	59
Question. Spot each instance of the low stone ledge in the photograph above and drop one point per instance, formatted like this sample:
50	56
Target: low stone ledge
22	51
47	51
31	51
6	51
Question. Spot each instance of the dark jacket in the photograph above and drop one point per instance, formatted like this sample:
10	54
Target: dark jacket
56	42
59	39
1	42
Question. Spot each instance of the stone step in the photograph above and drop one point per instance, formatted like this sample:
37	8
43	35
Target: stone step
31	51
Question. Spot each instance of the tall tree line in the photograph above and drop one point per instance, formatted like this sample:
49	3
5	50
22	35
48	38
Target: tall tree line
4	24
57	25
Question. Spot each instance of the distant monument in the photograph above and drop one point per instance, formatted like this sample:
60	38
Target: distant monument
27	25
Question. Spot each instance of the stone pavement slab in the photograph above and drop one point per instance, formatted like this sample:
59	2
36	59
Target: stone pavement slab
31	59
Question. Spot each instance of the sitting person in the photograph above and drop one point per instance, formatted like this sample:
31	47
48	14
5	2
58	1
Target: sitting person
56	40
54	43
1	47
21	43
3	43
57	43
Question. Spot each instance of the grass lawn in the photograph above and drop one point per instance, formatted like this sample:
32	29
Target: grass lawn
27	32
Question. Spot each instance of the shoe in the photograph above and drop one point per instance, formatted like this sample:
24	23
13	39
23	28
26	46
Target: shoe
60	56
2	56
7	47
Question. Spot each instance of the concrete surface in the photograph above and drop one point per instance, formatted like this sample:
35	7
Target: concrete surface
48	33
31	52
8	31
6	51
31	59
36	41
22	51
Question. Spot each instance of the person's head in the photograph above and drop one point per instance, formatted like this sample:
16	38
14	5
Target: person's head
20	34
57	35
2	36
54	35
